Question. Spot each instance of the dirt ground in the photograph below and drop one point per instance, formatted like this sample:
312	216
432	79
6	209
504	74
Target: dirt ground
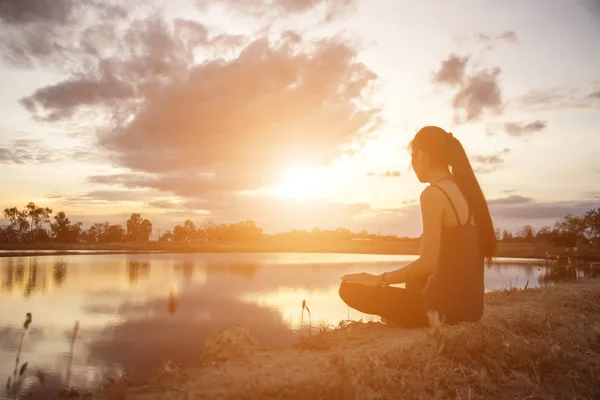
534	343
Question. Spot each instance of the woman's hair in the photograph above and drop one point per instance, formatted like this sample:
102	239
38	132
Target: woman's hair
446	150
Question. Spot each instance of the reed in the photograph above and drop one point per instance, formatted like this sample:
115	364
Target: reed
14	382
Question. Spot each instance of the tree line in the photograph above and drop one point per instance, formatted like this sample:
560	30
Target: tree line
568	231
28	226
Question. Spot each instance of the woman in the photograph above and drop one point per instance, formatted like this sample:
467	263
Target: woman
458	238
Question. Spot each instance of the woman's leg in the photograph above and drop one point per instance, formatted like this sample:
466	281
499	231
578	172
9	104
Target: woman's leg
417	284
400	306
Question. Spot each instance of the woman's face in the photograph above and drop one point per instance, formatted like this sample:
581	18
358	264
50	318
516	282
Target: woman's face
420	164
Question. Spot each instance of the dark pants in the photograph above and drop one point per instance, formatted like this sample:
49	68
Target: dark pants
403	307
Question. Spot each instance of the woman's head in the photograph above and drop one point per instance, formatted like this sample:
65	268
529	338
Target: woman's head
433	150
430	152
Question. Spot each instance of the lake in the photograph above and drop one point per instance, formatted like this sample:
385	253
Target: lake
136	311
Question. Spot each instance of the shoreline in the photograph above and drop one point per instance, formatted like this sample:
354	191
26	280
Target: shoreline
506	250
530	343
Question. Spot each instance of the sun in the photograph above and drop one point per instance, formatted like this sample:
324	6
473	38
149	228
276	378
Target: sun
303	182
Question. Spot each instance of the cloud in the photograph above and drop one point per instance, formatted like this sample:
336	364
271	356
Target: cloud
32	11
386	174
204	129
527	209
45	32
34	151
452	70
476	93
490	41
480	93
55	12
592	5
511	200
521	129
28	151
61	100
509	36
559	98
484	164
108	196
333	9
171	205
594	95
305	105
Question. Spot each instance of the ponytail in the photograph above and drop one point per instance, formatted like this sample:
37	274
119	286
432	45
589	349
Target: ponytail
467	182
447	150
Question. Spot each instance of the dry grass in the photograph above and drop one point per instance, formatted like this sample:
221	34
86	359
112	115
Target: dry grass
535	343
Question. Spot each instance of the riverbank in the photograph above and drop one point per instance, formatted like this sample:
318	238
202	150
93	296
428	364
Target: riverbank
505	250
536	343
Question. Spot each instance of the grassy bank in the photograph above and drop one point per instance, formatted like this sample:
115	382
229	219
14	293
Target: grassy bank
536	343
509	250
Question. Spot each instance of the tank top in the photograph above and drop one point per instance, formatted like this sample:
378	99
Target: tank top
455	290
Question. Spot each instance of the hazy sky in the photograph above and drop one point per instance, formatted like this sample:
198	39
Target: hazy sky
295	113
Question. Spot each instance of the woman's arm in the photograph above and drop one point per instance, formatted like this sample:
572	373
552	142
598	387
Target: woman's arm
431	214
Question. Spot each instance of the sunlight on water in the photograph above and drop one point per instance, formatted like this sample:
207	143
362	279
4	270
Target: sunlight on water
136	311
327	310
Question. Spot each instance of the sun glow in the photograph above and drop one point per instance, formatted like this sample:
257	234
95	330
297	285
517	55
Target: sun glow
325	305
302	182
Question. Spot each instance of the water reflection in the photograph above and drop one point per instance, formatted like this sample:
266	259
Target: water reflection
7	275
20	271
59	272
244	269
137	271
138	311
186	269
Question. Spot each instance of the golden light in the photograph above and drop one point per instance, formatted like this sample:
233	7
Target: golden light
302	182
325	305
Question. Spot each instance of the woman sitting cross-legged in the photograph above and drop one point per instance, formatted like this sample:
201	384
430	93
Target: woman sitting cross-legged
458	239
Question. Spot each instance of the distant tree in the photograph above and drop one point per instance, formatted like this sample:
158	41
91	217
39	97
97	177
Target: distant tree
573	226
9	234
506	236
527	233
343	234
138	229
94	232
247	230
38	216
190	230
26	224
19	225
545	234
591	220
42	236
199	235
179	234
166	237
112	234
63	231
211	231
85	237
186	233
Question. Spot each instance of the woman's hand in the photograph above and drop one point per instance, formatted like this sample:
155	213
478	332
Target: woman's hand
363	278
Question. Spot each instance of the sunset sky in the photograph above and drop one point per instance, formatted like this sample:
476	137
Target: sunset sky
295	113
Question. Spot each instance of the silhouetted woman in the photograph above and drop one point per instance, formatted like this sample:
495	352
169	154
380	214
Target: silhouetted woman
458	239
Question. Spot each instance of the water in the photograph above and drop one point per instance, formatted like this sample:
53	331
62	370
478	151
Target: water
136	311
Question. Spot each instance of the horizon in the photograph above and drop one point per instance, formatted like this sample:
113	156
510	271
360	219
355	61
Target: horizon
560	225
296	114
